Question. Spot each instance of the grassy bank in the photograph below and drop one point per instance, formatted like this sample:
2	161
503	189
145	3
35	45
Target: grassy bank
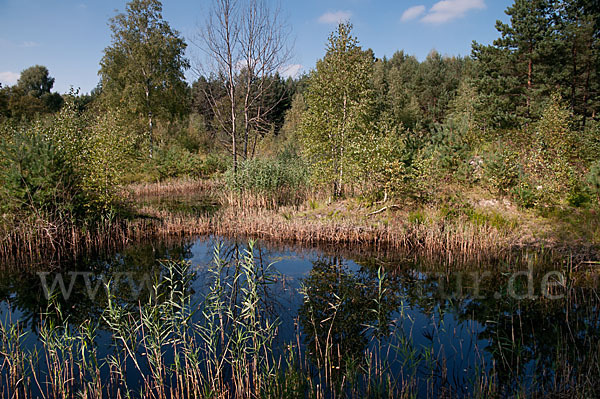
469	227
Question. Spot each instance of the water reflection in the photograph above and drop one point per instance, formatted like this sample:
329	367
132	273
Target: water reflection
79	287
445	332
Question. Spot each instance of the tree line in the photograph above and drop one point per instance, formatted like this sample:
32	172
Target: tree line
518	116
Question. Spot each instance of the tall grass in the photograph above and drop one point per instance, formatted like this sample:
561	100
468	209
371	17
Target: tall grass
268	183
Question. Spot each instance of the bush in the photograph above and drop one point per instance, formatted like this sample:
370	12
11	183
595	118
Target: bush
451	145
69	168
35	177
502	170
214	164
175	161
525	195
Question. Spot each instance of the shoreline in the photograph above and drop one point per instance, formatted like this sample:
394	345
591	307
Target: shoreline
465	237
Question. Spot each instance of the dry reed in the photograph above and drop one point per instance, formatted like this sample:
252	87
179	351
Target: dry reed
260	216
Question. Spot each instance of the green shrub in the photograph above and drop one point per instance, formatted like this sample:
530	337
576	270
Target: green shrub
35	177
214	164
69	167
577	197
502	170
524	195
175	161
450	145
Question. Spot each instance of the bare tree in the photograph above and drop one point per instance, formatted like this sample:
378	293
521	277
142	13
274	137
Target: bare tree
264	50
245	44
219	39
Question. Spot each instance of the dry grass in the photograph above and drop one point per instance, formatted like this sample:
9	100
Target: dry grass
49	244
450	241
480	235
172	187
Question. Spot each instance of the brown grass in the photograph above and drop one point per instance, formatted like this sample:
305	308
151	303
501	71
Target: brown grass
172	187
347	223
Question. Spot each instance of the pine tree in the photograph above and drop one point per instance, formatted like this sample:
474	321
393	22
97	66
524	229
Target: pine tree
515	69
578	25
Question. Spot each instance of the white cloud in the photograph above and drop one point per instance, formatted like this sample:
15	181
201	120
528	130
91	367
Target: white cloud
29	44
335	17
292	70
448	10
412	13
13	44
9	78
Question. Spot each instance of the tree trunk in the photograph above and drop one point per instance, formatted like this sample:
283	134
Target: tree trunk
529	79
247	109
151	129
233	130
341	174
150	120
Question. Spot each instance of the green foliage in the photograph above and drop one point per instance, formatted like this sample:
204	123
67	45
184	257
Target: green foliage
35	177
31	96
266	176
337	125
69	169
35	81
174	161
525	195
450	145
502	170
593	179
214	164
142	71
417	217
577	195
395	164
554	134
107	153
491	219
546	46
589	142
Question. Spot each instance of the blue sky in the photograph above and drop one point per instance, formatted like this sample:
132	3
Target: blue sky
69	36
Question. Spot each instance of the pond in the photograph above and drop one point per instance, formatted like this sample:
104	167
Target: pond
345	323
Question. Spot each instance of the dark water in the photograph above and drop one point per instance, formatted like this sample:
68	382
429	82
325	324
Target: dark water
525	329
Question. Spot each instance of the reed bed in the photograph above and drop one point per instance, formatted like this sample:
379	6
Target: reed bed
173	187
450	242
40	243
287	217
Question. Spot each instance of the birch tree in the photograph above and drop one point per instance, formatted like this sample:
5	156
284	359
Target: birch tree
142	71
336	126
245	44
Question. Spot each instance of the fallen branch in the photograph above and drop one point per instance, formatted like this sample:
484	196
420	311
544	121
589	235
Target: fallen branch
383	209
